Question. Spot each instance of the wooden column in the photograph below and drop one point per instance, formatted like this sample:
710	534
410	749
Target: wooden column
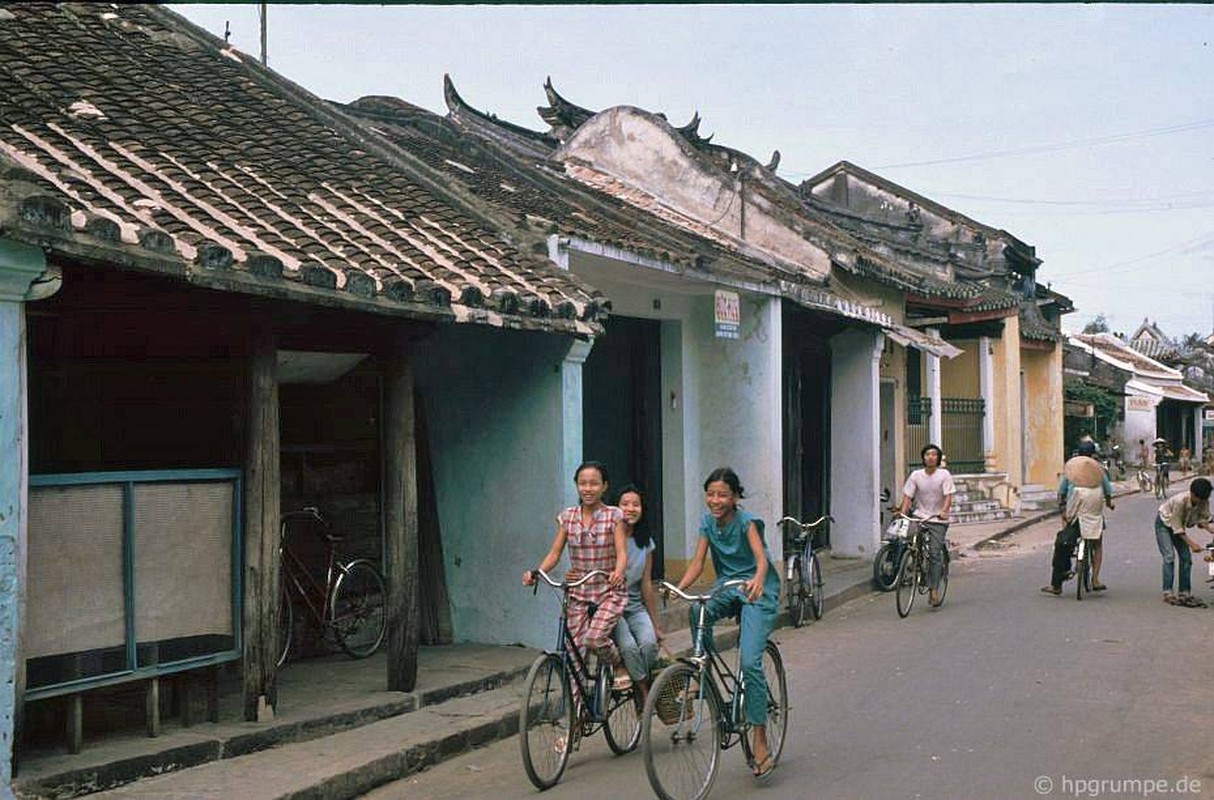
400	519
261	518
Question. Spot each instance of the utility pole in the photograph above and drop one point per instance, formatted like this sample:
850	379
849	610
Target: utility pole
261	13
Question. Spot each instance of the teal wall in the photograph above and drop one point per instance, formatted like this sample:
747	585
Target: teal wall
503	413
19	265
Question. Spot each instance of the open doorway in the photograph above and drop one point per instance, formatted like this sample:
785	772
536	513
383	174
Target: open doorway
621	405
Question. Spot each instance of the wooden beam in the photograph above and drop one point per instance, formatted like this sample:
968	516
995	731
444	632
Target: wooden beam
400	519
261	506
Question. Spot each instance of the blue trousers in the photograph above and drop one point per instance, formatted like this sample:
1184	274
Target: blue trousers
637	640
1173	548
758	621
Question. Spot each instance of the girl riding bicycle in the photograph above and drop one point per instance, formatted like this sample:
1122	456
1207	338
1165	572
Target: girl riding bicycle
735	538
595	534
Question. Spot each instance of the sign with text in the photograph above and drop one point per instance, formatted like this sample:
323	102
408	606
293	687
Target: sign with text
1074	408
727	314
1136	402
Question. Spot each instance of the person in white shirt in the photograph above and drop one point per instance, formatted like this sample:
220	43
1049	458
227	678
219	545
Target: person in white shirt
931	492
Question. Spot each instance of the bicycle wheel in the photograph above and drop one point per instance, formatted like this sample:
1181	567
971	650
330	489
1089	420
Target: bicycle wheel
545	722
1082	571
622	720
777	700
908	583
286	623
942	587
681	734
817	597
885	567
357	610
796	594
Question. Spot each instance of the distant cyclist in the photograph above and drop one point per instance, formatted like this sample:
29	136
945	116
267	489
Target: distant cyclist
1163	457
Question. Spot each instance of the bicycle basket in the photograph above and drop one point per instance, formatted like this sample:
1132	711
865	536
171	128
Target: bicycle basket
898	529
667	704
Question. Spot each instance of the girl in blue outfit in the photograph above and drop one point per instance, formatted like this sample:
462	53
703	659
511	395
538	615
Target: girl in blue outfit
735	538
638	632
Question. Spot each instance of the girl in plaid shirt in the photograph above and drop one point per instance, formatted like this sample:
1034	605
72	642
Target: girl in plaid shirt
596	537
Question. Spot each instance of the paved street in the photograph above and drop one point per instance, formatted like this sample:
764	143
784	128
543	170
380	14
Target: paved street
1003	693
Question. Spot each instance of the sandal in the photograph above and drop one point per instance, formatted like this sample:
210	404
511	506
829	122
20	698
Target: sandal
761	769
1172	600
621	681
1051	590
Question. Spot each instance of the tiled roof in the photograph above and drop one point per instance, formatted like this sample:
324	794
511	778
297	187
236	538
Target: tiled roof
1155	349
547	198
129	136
1122	352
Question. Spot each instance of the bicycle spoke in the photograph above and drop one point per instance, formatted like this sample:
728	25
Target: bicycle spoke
681	734
546	722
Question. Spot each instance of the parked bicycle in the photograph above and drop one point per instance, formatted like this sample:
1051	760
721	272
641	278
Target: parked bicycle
1146	484
567	697
893	544
696	709
803	571
912	572
348	607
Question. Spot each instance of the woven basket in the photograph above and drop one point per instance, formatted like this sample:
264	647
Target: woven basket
667	704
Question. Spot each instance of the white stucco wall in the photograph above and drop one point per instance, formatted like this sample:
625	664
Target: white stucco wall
1139	422
736	418
855	472
500	439
643	151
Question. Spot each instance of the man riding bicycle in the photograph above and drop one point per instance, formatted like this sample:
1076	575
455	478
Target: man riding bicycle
931	490
1084	487
1163	457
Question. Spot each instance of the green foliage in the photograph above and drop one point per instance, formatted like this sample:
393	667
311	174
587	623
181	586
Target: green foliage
1098	324
1104	405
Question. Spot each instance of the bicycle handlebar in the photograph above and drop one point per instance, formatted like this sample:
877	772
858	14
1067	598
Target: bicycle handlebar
805	526
700	598
594	573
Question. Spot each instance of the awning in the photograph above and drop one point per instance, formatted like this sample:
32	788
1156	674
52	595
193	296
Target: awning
1169	391
909	337
823	300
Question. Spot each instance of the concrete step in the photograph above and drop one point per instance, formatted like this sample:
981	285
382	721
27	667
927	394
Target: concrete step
981	516
1039	504
975	507
347	764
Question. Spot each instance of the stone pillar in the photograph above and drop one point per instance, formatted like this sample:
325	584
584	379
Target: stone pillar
1199	433
986	388
20	265
935	424
571	422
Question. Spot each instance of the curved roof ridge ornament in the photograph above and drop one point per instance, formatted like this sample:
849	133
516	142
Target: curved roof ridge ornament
451	97
562	116
775	161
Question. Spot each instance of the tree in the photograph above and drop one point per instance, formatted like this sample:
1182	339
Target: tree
1098	324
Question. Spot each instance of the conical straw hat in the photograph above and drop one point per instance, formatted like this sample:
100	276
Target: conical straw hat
1084	471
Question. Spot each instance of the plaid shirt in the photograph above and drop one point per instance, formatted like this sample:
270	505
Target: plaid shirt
591	548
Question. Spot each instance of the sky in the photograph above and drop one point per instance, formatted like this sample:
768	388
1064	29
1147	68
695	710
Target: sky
1086	131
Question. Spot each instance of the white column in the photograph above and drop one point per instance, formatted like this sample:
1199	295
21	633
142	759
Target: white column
572	421
855	429
1198	433
935	424
986	388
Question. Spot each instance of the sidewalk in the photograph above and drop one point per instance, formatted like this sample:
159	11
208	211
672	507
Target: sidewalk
337	736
